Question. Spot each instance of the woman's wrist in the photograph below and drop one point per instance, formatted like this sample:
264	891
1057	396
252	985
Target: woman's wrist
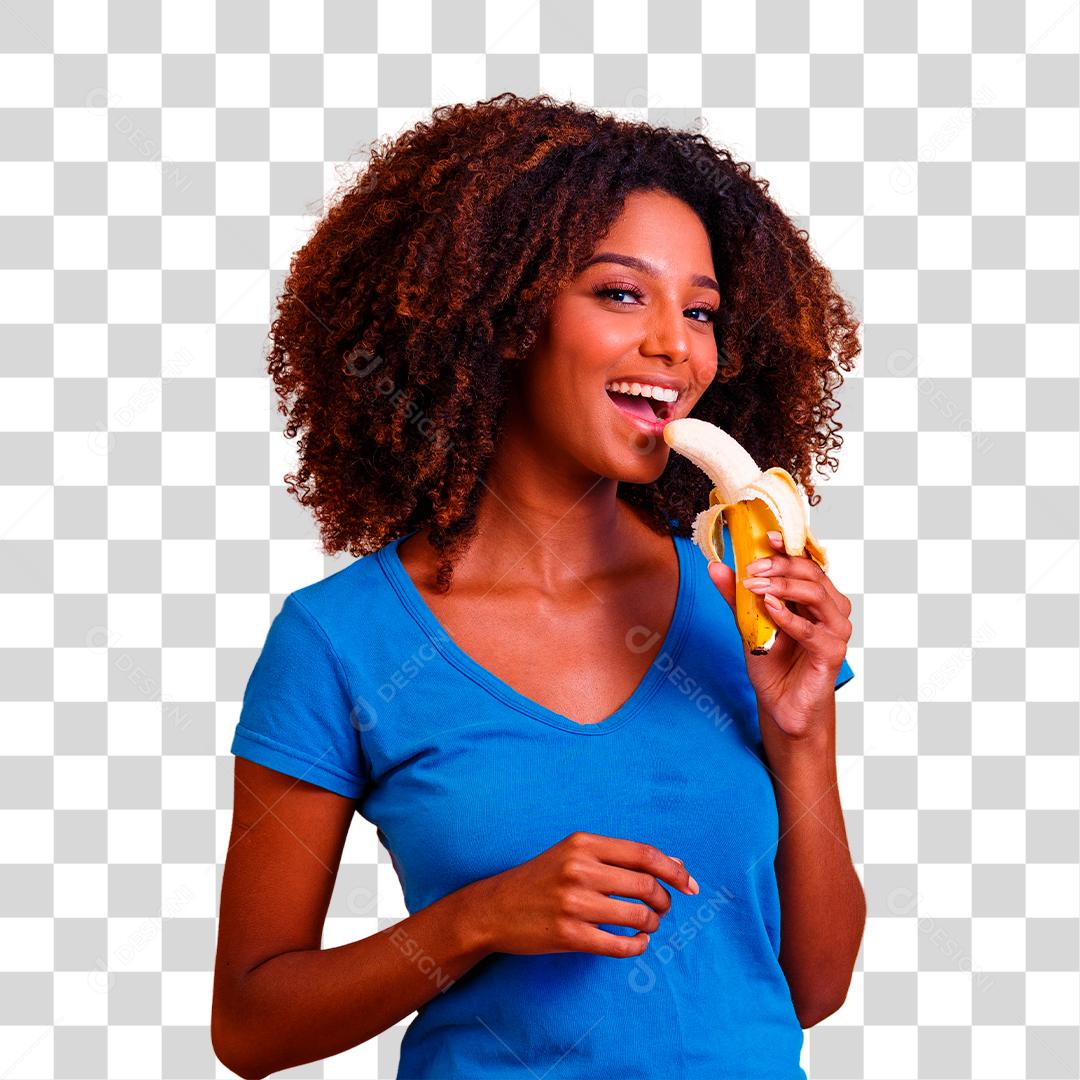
469	930
814	752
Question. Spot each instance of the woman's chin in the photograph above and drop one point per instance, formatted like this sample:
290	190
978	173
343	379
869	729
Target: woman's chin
641	464
632	457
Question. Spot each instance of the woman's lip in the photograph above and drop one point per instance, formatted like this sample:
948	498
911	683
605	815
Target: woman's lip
650	427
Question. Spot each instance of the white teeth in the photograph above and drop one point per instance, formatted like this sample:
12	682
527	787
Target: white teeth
660	393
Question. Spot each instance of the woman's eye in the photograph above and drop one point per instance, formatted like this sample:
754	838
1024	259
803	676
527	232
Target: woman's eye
613	290
608	292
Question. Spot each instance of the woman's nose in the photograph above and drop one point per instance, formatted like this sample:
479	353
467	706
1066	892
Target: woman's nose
667	335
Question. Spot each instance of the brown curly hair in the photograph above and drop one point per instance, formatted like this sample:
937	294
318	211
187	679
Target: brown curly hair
441	259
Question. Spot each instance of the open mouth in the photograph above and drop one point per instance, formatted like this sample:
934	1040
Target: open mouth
646	409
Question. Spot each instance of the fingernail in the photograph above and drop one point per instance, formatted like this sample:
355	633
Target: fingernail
757	566
773	601
694	887
775	537
678	860
757	582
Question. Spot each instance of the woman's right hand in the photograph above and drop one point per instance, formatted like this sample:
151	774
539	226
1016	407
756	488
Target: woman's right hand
550	903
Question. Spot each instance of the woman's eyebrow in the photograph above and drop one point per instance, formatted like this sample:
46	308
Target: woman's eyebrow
647	267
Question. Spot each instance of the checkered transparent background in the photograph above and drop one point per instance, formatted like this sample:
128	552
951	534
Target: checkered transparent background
158	166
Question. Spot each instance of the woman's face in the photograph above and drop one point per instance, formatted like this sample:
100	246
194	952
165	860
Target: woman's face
649	322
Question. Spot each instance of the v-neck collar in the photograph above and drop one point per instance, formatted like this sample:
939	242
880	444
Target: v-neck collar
665	661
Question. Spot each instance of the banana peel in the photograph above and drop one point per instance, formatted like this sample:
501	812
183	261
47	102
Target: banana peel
752	503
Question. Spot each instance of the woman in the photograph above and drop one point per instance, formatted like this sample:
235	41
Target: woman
575	724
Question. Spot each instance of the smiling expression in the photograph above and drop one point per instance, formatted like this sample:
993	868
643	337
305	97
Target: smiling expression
641	311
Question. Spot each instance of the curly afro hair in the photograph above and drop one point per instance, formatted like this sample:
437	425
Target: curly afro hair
441	259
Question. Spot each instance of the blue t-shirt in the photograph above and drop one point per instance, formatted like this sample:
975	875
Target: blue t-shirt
360	690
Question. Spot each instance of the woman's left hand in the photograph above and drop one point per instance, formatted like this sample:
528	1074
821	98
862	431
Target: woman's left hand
796	679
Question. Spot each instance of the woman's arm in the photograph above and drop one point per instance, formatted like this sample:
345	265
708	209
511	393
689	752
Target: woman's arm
279	999
822	904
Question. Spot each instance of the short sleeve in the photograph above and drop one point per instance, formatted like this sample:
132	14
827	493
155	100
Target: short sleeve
297	710
844	675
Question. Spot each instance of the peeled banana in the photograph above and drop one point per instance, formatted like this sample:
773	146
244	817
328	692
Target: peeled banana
752	503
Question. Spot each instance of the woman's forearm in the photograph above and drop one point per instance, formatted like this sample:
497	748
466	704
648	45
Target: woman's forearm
822	905
307	1005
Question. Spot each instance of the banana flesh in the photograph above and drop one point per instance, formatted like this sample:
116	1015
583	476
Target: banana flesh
751	503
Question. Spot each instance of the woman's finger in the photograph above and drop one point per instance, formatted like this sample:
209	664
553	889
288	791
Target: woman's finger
814	637
809	594
804	566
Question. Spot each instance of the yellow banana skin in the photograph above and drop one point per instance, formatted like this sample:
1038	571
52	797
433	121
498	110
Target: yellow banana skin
748	522
752	503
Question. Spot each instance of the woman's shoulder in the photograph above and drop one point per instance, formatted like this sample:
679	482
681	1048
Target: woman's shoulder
352	598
